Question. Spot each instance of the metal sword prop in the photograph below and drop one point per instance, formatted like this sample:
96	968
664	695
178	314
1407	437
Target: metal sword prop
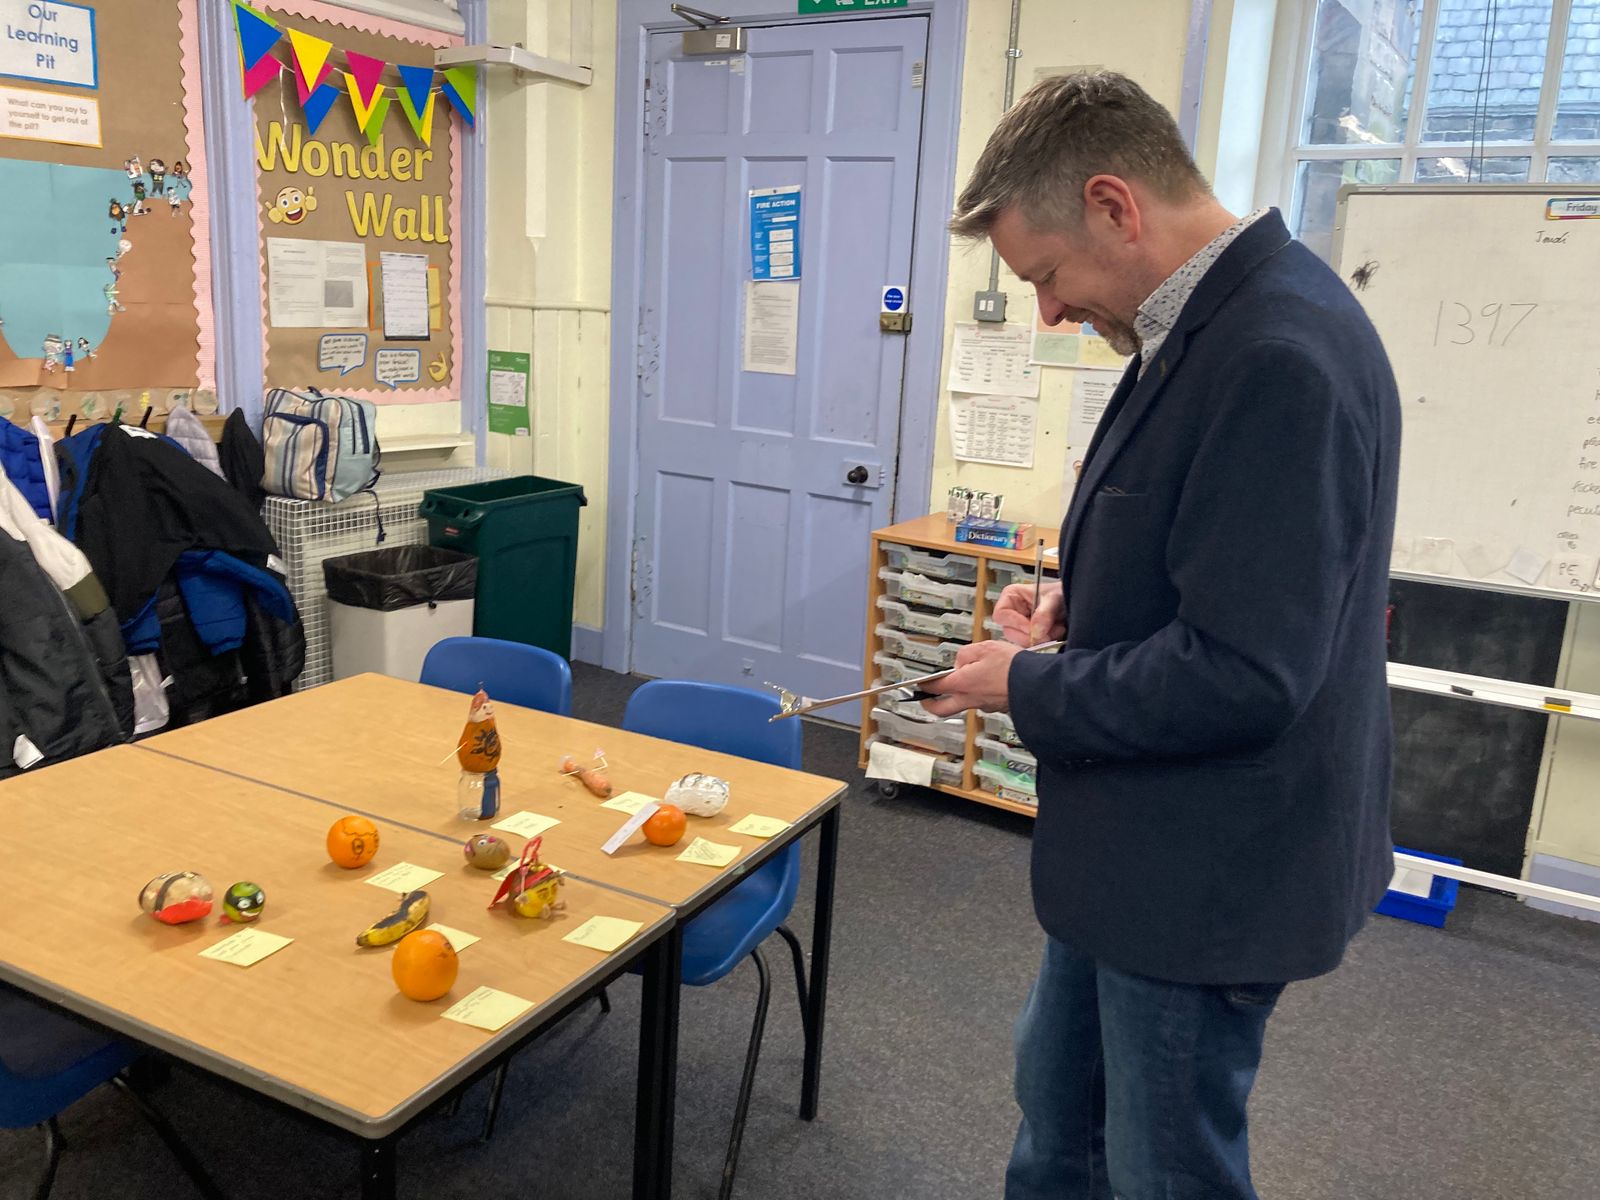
792	705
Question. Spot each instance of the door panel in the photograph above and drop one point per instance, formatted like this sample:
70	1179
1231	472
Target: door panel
751	563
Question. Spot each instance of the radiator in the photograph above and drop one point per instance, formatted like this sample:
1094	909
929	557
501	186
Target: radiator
308	531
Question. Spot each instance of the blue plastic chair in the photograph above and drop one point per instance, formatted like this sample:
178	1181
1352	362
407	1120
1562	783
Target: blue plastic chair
733	720
529	676
49	1062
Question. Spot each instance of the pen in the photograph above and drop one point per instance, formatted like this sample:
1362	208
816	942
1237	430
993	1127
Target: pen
1038	575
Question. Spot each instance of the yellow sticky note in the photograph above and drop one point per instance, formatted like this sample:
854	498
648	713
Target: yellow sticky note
526	824
761	827
487	1008
604	934
245	948
459	939
629	802
709	854
404	877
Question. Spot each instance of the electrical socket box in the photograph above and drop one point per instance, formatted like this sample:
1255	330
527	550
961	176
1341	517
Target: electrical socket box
989	306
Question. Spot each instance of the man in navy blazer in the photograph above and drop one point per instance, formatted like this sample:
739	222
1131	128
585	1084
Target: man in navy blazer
1214	737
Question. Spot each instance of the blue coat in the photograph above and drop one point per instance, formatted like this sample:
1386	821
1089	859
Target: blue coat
1214	738
19	455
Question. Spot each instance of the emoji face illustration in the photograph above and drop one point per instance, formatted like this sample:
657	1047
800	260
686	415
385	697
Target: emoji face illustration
291	206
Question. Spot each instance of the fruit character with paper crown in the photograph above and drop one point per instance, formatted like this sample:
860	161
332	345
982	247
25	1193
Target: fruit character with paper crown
478	752
532	886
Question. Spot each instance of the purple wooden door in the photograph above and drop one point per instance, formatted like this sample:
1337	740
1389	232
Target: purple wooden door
751	556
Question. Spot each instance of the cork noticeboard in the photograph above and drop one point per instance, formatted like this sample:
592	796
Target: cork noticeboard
334	190
105	272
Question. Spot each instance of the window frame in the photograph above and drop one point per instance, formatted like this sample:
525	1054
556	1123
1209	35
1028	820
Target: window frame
1284	119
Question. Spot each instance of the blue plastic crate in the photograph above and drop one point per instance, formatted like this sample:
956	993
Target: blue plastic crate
1431	909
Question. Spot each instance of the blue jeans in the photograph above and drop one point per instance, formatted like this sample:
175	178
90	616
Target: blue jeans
1134	1088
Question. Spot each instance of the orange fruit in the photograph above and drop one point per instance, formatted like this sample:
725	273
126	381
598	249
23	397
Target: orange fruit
424	964
665	825
352	841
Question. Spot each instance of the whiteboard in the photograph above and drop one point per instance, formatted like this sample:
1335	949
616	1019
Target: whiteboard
1488	302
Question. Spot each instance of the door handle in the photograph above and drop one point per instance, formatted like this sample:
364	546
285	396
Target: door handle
857	475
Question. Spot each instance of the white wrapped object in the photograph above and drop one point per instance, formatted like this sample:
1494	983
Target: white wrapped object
699	795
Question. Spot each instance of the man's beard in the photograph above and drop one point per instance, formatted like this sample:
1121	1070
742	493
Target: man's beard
1118	336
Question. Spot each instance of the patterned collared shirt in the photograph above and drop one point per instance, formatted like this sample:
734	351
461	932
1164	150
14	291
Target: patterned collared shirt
1159	313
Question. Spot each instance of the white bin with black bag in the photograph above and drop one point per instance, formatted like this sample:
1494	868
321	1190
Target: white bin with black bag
387	608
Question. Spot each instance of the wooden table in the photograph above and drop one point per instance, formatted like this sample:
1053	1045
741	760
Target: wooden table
385	748
319	1025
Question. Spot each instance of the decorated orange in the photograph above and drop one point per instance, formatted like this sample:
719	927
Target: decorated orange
352	841
424	965
665	825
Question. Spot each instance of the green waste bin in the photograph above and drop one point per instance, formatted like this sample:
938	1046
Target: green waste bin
524	532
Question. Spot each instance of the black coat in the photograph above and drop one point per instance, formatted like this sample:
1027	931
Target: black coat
145	502
52	689
1214	739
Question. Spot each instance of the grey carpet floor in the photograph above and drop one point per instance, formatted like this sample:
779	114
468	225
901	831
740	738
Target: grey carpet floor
1455	1064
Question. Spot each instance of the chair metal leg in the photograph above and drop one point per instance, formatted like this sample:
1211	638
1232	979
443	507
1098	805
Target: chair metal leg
52	1159
799	956
741	1108
605	1001
190	1164
494	1101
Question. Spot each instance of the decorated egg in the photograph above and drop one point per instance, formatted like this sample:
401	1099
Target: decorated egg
243	902
486	852
176	897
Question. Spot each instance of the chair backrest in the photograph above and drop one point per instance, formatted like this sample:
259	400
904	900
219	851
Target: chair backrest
529	676
714	716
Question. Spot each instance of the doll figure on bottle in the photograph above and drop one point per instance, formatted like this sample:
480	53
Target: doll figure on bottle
478	752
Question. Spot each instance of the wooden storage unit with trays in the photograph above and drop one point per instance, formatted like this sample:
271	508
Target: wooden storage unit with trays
927	596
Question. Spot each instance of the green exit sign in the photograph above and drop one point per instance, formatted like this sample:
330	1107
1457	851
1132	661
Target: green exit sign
823	6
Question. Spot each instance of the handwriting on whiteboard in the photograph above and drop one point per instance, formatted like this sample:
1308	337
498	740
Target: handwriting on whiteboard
1458	324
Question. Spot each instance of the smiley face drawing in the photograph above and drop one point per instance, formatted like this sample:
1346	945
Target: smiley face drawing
291	206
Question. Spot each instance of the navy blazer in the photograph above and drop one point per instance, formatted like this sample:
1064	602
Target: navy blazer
1214	738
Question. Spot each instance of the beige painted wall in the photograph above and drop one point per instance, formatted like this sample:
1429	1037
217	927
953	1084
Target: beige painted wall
549	240
1145	39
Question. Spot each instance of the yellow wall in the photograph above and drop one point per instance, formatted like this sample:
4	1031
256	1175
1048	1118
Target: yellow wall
1142	38
550	154
549	244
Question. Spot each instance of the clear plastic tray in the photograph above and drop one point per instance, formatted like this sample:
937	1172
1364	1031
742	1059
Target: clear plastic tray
945	770
1002	574
952	568
1010	785
1013	758
919	589
998	726
919	649
942	737
956	626
896	670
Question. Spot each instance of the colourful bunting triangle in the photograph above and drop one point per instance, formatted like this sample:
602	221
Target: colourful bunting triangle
367	72
421	124
419	84
257	35
310	56
362	108
300	83
263	73
374	126
317	105
461	89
